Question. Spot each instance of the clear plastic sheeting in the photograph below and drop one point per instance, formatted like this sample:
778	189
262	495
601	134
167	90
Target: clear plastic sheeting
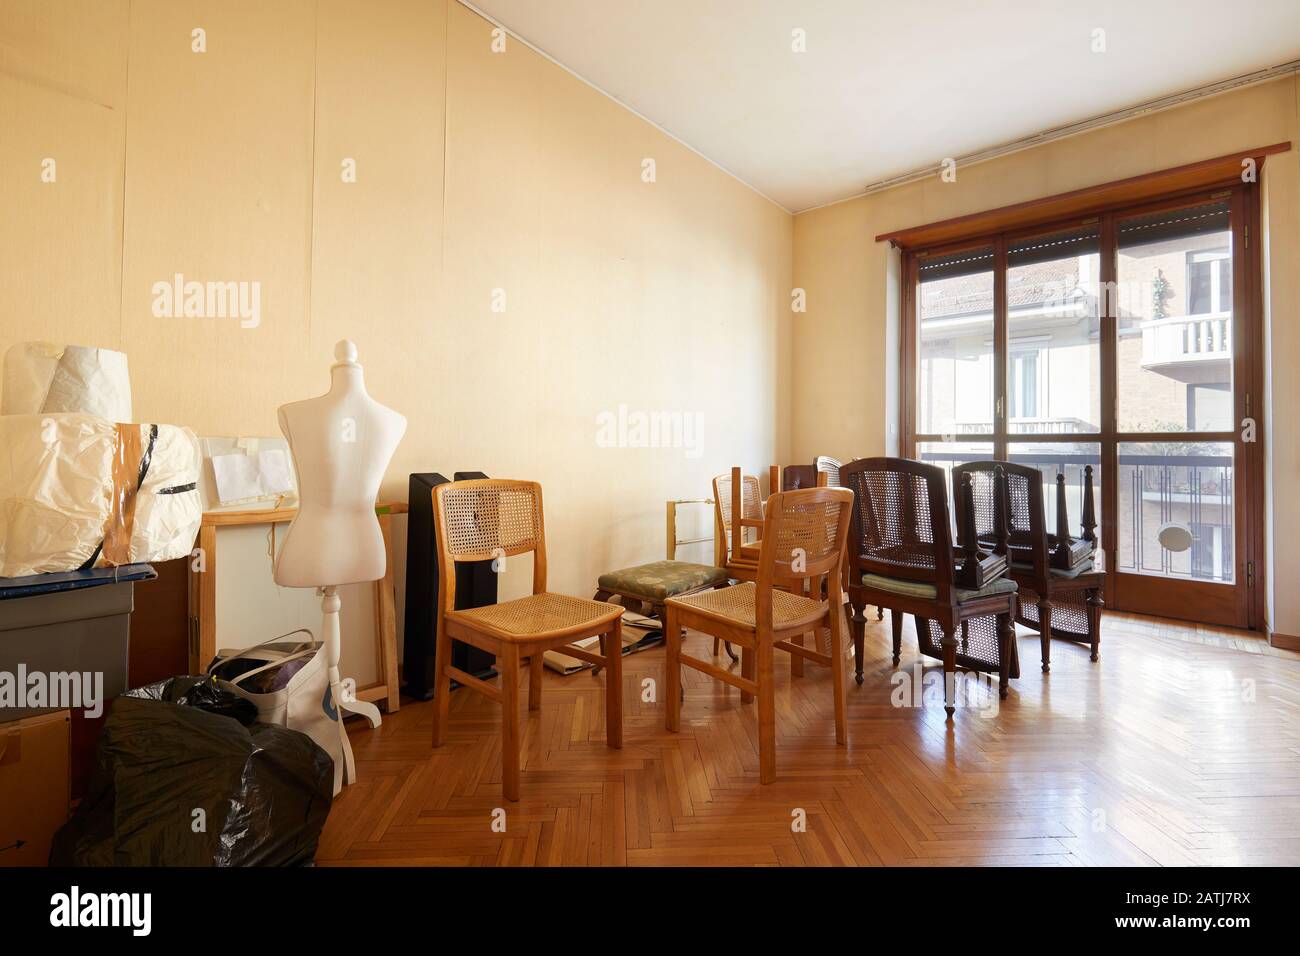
79	491
42	377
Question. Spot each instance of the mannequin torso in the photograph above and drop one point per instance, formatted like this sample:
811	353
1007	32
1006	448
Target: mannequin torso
341	444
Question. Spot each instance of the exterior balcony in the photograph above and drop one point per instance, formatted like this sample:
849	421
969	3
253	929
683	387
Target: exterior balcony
1190	348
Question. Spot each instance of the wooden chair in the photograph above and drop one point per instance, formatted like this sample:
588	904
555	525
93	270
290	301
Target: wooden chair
745	511
823	472
738	551
901	557
1060	588
495	519
739	519
803	537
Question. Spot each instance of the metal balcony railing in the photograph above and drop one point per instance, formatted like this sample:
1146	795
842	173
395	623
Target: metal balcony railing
1192	488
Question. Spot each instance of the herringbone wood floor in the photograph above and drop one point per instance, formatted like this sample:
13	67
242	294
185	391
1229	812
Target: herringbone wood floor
1179	747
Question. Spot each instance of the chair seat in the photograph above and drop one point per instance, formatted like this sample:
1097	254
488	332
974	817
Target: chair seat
537	616
735	605
928	592
660	580
1084	568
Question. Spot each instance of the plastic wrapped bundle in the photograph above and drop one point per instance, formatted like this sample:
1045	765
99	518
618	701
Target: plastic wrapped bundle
43	377
186	751
78	491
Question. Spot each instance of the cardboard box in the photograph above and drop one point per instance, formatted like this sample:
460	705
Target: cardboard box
34	786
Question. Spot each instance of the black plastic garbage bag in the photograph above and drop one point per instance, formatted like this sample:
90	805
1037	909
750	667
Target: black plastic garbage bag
214	696
181	781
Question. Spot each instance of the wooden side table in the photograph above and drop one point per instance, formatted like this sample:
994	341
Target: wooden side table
203	596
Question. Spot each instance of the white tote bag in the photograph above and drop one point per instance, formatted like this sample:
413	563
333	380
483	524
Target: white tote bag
305	703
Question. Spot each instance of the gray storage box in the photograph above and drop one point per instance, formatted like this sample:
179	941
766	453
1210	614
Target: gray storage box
76	622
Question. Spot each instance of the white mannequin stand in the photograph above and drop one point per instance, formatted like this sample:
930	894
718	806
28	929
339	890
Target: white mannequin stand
341	444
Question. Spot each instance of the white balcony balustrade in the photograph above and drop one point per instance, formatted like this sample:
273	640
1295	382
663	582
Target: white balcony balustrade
1186	340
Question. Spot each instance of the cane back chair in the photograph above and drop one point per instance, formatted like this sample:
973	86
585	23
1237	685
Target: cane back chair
803	538
830	467
1061	591
901	557
823	472
739	527
739	519
496	519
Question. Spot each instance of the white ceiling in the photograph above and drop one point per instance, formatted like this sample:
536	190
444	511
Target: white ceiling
886	88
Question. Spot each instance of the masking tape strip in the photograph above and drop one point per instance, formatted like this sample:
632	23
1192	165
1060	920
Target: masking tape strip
126	482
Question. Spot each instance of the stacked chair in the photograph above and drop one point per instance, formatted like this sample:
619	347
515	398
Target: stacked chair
740	521
1060	586
802	539
745	511
901	557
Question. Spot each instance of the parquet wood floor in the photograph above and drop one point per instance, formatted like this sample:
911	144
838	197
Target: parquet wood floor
1181	746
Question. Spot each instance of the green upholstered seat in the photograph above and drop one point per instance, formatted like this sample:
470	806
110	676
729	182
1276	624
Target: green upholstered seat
928	592
1084	568
659	580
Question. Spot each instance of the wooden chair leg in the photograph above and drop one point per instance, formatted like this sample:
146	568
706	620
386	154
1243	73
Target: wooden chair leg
508	665
441	687
880	613
596	668
1045	632
766	681
796	662
896	625
949	642
1094	606
717	645
730	651
859	635
747	672
837	675
535	668
1006	638
673	672
614	688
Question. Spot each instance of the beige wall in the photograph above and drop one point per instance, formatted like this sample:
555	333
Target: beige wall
845	346
475	171
479	171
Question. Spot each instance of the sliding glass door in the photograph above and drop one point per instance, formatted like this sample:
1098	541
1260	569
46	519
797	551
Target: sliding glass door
1121	342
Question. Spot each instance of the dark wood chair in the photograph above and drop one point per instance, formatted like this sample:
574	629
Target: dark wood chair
1061	590
900	556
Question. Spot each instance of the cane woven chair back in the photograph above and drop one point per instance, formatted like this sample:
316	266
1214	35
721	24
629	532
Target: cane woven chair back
830	467
805	532
1022	505
900	523
489	519
751	505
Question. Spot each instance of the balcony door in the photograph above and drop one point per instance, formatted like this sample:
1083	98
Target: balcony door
1127	342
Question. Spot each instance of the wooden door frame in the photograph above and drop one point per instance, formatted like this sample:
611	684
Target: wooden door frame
1247	609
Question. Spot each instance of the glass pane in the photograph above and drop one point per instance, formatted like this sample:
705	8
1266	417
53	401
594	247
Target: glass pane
1069	459
1175	510
1174	307
1054	324
955	344
947	455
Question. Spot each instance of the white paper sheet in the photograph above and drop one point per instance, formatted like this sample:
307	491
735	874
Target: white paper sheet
242	477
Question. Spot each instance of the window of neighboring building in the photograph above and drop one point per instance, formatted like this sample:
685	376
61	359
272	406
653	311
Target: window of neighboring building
1209	282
